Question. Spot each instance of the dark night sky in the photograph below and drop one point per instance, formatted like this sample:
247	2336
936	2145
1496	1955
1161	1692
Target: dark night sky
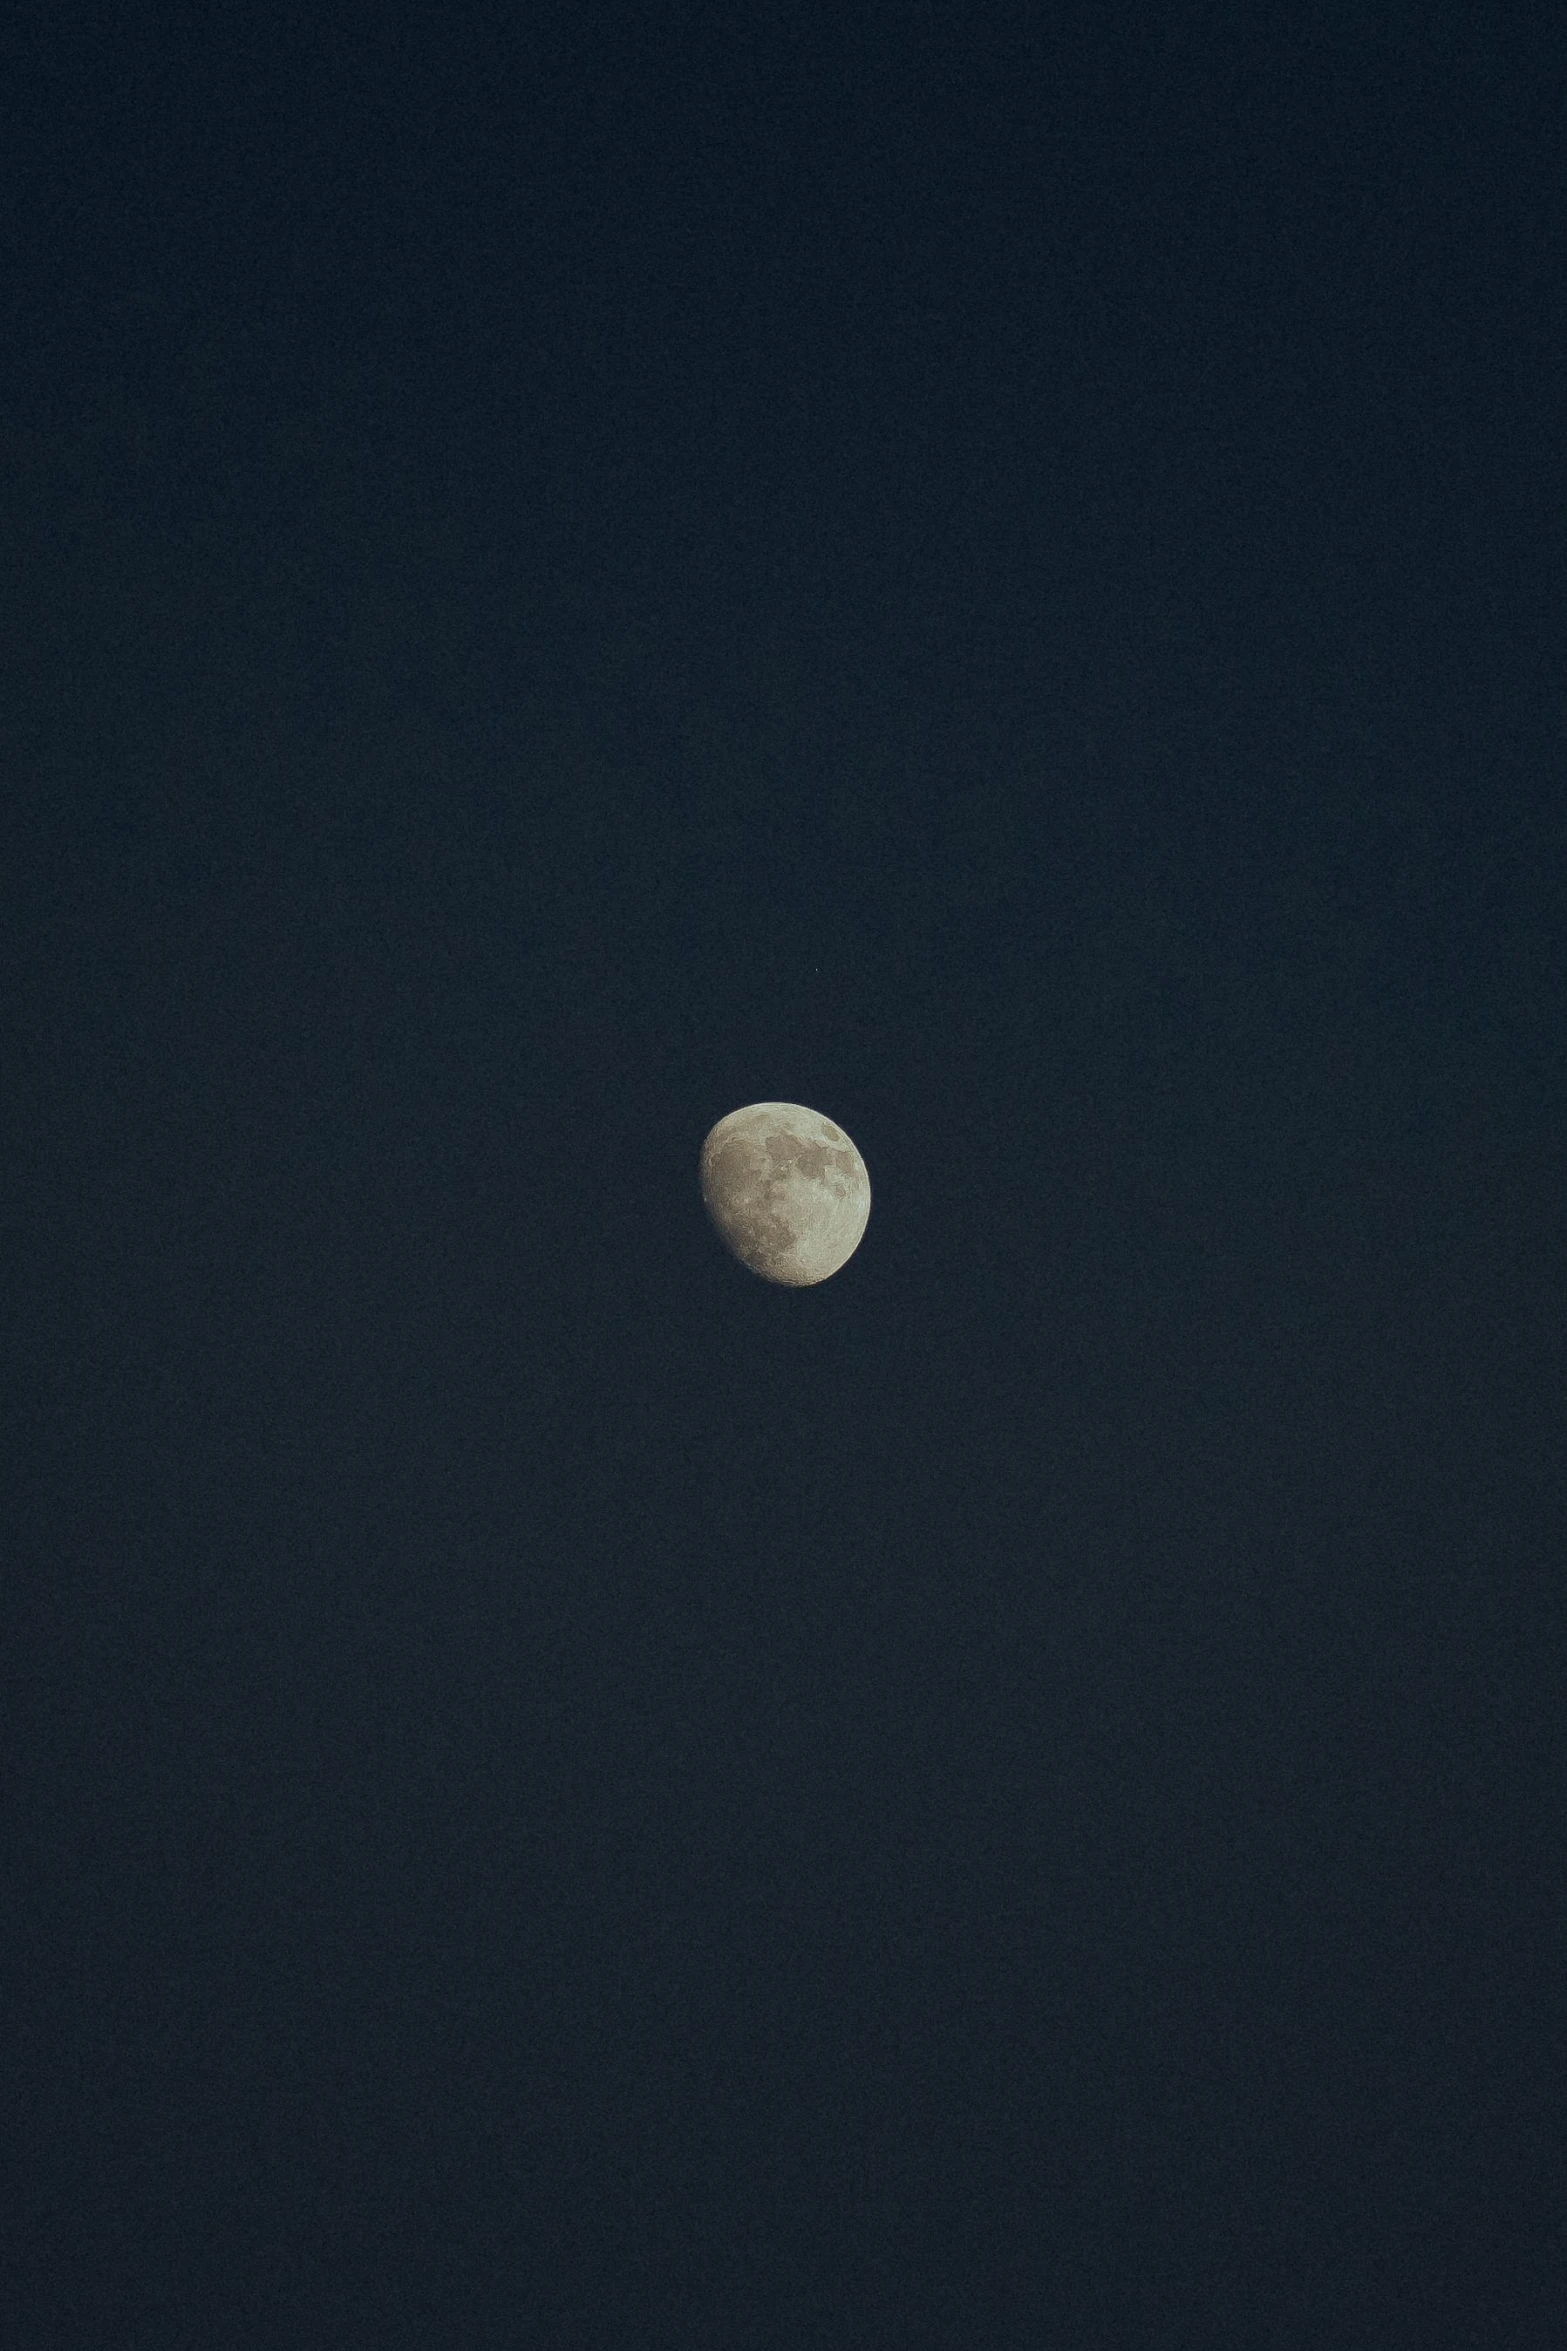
1002	573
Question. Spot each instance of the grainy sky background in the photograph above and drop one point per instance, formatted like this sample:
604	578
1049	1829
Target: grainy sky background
1002	573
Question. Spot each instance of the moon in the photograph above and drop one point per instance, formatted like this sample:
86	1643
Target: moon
787	1191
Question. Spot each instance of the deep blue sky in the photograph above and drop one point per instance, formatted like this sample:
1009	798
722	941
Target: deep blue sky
1002	573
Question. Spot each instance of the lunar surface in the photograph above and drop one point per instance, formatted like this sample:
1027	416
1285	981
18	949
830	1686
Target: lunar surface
787	1191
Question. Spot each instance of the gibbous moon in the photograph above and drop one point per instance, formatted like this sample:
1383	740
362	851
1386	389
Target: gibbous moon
787	1191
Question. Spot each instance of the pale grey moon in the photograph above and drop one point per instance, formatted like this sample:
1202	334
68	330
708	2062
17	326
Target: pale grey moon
787	1191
